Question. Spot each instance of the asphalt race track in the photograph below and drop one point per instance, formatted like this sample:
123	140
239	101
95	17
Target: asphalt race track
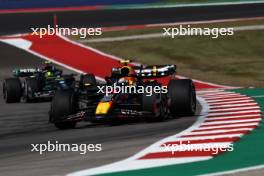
17	23
24	124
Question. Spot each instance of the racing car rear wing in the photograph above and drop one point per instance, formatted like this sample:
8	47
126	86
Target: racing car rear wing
25	72
155	71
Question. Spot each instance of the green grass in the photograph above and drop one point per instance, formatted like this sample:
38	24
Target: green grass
186	1
201	1
235	60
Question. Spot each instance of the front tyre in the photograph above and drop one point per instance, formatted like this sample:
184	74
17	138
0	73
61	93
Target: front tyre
64	103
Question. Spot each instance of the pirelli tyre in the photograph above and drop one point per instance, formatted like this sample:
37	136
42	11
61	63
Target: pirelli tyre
12	90
31	86
64	103
87	80
182	97
155	104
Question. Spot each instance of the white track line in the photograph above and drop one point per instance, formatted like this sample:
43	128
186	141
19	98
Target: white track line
225	128
232	109
213	94
219	96
229	99
229	117
220	131
235	112
209	137
210	91
233	105
228	125
230	121
233	102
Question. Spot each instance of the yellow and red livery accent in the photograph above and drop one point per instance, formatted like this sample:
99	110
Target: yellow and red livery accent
103	108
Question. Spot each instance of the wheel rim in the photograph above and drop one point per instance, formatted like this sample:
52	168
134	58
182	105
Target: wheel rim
162	110
156	109
25	92
28	93
159	109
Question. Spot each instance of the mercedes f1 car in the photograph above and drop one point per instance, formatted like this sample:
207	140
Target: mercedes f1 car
87	103
35	83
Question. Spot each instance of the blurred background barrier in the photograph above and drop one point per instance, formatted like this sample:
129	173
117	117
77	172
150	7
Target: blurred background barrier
18	4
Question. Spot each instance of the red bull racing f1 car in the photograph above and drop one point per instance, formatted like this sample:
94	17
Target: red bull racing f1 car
147	98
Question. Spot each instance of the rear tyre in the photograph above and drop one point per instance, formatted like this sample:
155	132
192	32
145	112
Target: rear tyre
31	86
182	97
64	103
155	103
12	90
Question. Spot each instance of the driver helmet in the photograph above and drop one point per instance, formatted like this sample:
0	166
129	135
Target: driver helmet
48	66
49	74
128	71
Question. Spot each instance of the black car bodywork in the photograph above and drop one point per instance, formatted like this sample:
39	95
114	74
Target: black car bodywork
86	103
34	84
